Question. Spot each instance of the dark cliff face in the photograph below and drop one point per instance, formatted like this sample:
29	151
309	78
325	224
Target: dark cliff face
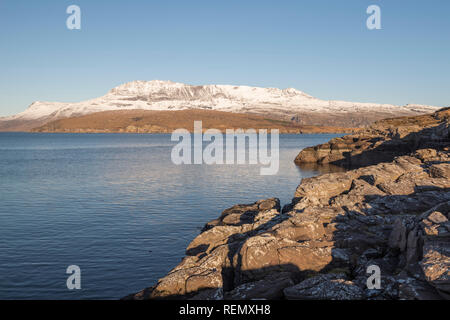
393	215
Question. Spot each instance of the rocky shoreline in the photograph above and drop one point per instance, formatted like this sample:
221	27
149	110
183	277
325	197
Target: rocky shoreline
392	212
381	142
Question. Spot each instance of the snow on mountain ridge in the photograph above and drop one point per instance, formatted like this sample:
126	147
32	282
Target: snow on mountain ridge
168	95
180	91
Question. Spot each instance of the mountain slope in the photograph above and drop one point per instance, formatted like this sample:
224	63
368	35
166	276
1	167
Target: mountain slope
286	104
145	121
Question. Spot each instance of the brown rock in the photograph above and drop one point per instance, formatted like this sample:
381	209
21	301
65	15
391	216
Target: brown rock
383	141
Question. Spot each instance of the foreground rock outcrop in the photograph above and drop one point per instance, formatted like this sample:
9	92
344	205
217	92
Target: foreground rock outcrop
391	215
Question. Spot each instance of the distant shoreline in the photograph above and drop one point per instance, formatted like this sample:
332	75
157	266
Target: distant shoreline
150	133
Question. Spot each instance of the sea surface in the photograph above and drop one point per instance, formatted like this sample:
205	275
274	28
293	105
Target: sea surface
116	206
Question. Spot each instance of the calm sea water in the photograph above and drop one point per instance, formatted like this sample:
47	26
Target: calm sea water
115	205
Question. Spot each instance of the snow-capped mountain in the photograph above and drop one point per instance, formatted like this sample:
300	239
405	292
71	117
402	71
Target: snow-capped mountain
167	95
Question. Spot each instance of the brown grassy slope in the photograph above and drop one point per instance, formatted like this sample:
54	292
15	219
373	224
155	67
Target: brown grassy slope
20	125
144	121
425	120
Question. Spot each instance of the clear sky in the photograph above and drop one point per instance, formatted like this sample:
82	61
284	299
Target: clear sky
321	47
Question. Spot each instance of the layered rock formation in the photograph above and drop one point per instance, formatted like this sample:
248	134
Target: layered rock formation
391	215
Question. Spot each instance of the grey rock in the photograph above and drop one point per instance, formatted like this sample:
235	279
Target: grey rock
325	287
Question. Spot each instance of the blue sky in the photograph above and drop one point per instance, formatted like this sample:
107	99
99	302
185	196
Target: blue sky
321	47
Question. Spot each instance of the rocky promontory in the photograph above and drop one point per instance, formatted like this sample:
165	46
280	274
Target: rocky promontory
381	142
390	213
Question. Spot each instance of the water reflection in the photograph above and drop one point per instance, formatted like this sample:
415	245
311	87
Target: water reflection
319	168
